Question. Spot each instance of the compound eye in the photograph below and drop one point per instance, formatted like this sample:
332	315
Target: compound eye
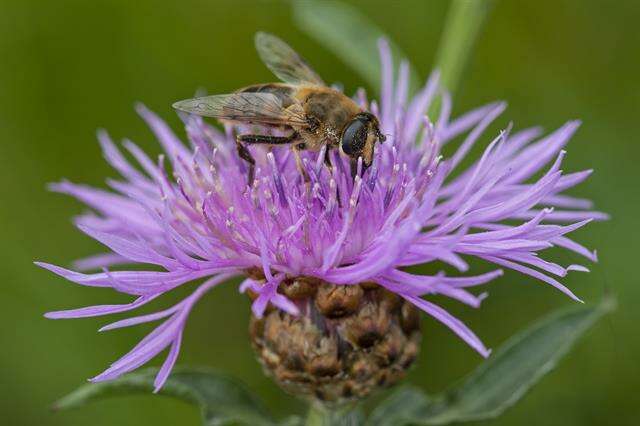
354	137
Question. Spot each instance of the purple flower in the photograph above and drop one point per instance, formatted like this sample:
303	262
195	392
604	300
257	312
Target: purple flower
194	217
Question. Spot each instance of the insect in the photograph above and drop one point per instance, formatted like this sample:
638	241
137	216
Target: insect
312	114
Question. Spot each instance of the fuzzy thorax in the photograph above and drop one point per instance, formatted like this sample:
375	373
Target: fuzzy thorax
348	340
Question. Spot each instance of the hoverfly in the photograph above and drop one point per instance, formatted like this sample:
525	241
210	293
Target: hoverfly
313	114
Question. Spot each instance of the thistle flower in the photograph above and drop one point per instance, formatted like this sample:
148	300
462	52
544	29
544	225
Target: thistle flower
334	311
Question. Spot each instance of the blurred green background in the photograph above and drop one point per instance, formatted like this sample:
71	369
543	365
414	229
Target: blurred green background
71	66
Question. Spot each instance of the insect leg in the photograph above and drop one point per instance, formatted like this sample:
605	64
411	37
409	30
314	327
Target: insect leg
354	167
244	153
327	160
267	140
296	153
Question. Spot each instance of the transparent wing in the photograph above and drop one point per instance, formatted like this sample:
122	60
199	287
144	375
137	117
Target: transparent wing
260	108
284	62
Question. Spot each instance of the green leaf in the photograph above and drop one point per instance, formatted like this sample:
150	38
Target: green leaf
461	29
502	379
221	399
349	35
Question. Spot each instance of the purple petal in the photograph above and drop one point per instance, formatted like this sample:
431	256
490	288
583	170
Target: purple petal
93	311
168	364
457	326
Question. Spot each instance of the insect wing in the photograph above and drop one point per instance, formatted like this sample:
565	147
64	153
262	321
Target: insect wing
284	62
260	108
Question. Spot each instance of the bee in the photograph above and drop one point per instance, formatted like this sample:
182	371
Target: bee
312	114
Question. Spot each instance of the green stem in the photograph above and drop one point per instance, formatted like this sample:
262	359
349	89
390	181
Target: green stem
463	23
345	415
316	416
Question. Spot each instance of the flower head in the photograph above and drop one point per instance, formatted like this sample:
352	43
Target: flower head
193	215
